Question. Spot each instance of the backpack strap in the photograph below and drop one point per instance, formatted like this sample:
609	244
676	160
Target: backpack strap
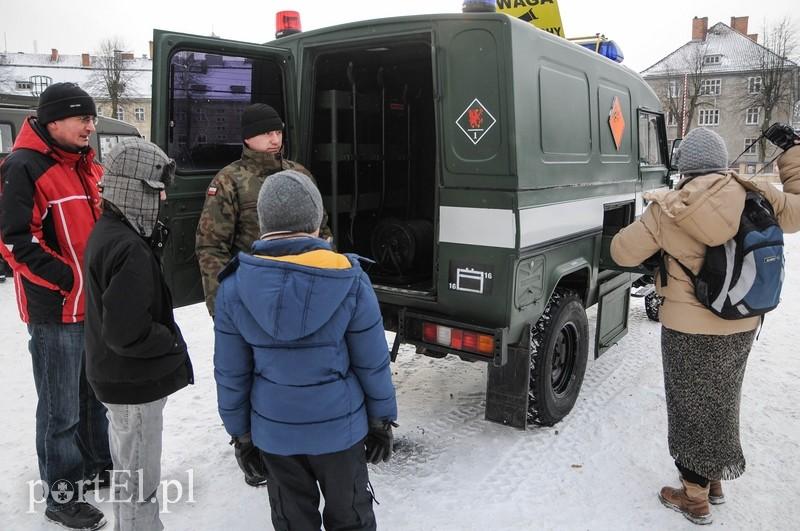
663	269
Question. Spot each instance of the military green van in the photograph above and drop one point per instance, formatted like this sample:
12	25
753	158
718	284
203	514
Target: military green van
108	131
481	163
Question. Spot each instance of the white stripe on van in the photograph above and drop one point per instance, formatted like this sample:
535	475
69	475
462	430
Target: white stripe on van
492	227
550	222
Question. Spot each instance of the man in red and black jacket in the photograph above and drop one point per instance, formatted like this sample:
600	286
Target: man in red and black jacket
49	202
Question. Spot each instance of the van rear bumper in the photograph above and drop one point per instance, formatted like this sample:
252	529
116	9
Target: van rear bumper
410	330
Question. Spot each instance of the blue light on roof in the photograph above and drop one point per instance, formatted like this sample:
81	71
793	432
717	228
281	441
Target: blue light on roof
608	49
479	6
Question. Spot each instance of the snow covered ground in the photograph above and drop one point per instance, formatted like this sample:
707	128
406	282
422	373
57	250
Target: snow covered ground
600	468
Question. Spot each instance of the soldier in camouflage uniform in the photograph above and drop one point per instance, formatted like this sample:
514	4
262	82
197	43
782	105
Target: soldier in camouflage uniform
229	221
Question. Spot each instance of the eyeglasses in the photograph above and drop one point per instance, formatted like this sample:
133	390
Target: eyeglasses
88	118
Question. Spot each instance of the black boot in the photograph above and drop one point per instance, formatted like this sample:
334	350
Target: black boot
99	481
79	515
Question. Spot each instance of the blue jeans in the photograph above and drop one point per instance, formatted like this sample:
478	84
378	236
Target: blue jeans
71	424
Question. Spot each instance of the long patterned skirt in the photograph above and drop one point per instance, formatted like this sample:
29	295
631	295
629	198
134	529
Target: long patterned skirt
703	382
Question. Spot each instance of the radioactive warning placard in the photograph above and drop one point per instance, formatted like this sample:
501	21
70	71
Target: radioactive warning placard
543	14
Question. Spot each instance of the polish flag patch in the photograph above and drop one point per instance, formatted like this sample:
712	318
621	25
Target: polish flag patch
212	191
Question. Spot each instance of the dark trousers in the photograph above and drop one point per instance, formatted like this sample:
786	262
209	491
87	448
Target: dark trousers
691	476
342	478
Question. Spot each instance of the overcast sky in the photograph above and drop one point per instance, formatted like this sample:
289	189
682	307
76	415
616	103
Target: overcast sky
645	30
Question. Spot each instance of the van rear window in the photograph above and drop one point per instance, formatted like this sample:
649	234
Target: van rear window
208	93
105	142
6	141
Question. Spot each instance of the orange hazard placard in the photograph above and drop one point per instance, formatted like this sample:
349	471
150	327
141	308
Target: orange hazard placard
617	122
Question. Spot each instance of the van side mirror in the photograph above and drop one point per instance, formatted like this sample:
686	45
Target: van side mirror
673	166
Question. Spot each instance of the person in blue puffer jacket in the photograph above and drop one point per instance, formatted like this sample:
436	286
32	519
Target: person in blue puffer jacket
302	364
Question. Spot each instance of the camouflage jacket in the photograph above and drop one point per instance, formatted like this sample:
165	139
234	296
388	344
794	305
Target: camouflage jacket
229	220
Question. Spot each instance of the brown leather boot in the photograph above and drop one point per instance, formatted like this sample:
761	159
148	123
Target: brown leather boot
715	494
691	501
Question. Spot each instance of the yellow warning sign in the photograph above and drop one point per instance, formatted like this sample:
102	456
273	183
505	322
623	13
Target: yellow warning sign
617	122
541	13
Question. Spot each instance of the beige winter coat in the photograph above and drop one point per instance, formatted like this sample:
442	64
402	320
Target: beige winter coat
702	212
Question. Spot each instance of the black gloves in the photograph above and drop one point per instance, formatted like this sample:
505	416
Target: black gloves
379	440
781	135
249	459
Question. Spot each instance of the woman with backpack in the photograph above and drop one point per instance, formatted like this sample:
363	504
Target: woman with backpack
704	356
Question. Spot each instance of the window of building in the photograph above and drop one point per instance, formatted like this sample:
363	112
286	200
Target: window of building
120	114
711	87
5	138
672	120
201	139
674	88
138	112
24	85
750	150
753	116
754	85
712	59
708	117
40	83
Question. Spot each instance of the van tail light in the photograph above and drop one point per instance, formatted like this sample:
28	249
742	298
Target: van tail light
458	339
429	332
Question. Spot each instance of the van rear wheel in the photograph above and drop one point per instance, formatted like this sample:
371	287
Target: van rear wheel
559	349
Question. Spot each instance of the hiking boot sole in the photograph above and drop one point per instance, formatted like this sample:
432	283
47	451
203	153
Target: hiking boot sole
699	520
716	500
256	484
98	525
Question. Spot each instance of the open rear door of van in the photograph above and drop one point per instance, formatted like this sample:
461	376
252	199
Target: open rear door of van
612	311
201	85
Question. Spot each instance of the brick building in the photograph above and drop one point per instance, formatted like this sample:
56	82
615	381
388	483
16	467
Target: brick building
714	80
23	76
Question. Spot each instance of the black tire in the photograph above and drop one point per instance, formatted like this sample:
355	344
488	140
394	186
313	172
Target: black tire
652	305
559	349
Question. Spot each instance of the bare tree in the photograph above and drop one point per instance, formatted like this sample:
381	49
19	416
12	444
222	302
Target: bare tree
682	91
773	86
110	73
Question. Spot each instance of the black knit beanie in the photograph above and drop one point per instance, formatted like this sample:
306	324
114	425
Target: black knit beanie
260	118
63	100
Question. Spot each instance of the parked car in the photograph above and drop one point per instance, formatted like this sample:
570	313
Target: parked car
108	130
